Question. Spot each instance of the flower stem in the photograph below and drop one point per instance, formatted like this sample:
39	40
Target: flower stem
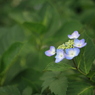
77	67
80	70
75	64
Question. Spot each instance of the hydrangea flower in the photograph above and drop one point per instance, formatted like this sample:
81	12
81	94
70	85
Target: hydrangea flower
72	52
60	55
79	43
67	50
51	51
74	35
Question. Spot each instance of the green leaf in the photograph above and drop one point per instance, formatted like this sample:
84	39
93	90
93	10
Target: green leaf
9	90
79	88
88	18
21	17
52	21
10	55
66	29
29	77
18	17
37	94
59	86
35	27
56	81
58	67
9	36
91	75
27	91
87	55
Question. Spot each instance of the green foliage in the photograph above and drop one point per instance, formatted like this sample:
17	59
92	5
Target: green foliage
85	59
9	36
56	81
80	88
35	27
9	90
65	30
8	59
58	67
10	55
27	29
27	90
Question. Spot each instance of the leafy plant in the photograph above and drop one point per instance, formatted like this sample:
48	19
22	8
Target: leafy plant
28	28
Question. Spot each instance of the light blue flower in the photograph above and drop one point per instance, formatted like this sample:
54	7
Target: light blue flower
51	51
71	53
74	35
79	43
60	55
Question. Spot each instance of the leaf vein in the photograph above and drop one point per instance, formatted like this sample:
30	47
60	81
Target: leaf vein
84	90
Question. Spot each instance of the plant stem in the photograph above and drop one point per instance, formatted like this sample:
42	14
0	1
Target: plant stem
77	67
80	70
75	64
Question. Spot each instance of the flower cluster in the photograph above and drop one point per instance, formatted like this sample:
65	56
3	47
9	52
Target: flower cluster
69	49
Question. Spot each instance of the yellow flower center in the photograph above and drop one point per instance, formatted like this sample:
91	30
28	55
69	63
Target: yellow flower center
67	45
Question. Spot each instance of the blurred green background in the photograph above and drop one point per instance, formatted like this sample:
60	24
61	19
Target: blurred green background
27	29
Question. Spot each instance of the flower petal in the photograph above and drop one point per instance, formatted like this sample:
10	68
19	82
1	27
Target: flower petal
57	60
68	50
77	51
69	57
48	53
72	52
52	48
82	40
74	35
84	44
60	55
79	43
51	51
